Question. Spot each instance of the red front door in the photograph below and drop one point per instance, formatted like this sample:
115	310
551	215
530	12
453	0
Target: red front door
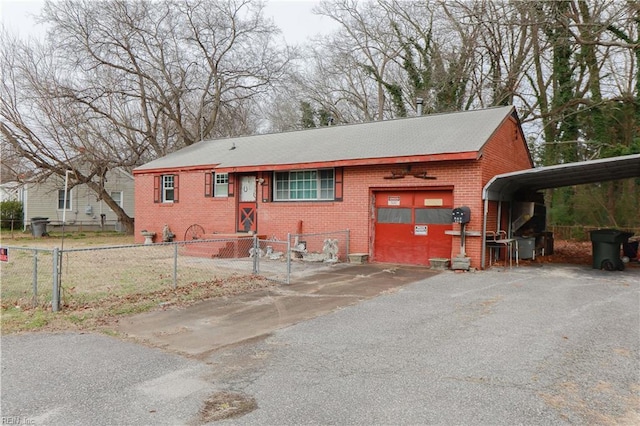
410	226
247	214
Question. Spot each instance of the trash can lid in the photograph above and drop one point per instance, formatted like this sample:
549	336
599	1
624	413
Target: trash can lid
609	235
39	218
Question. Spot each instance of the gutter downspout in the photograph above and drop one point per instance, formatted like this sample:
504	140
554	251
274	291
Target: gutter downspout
25	207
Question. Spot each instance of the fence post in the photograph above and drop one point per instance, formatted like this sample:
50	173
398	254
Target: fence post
288	279
55	297
347	245
35	278
175	266
255	254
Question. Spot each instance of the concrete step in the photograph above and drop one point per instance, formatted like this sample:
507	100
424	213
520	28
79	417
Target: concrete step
220	249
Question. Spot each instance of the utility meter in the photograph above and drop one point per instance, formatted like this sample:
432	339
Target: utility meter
461	215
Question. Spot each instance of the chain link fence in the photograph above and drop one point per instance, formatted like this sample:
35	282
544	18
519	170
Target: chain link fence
321	247
53	277
27	276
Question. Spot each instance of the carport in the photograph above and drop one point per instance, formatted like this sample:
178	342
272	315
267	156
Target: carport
503	188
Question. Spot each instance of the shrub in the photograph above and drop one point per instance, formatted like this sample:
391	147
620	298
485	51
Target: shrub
11	214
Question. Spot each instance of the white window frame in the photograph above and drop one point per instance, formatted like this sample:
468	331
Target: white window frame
61	200
165	187
221	184
299	182
120	200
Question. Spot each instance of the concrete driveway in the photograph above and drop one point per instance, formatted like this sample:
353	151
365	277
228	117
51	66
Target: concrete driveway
212	324
530	345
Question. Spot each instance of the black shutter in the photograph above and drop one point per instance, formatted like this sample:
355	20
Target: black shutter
208	184
156	189
175	188
338	175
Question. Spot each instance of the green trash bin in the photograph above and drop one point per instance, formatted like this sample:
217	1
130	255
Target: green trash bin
606	245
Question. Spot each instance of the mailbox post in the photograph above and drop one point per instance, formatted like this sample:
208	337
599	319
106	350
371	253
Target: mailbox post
461	215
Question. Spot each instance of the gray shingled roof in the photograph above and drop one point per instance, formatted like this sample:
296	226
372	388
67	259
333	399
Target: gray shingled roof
465	131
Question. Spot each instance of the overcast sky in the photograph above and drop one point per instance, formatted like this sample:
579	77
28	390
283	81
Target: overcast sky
294	18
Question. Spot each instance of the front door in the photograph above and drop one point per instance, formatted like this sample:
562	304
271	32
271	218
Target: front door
247	215
410	226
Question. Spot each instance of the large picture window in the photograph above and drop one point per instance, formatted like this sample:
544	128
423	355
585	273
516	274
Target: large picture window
304	185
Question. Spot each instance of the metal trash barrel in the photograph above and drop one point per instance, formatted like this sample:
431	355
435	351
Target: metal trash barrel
39	226
606	245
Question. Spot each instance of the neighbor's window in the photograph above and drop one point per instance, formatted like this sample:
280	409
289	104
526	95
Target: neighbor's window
61	200
221	186
117	197
304	185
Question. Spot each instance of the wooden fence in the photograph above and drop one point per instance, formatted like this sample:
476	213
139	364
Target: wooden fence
580	233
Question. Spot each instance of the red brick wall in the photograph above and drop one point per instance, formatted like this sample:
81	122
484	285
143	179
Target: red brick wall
502	154
505	152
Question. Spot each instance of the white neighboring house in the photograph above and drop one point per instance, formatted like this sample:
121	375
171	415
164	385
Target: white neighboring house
82	210
10	191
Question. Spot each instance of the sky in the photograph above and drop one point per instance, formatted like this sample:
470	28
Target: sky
293	17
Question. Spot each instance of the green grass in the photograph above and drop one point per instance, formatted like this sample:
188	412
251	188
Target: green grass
100	284
17	319
96	312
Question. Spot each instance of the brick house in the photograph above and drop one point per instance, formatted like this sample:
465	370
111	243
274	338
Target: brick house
392	183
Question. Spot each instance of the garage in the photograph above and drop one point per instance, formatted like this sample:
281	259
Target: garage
410	225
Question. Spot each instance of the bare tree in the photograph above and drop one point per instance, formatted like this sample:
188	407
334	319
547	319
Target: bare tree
397	51
121	82
365	40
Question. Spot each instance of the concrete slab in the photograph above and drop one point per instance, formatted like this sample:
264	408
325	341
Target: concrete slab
205	327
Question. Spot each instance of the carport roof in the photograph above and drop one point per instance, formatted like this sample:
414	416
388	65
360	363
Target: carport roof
502	187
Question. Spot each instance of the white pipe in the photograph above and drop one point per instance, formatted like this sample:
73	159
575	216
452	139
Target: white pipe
64	205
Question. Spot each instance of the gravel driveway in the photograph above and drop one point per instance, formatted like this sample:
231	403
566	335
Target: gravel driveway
530	345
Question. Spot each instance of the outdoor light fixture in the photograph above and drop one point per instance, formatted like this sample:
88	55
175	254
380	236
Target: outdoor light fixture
400	174
423	175
396	175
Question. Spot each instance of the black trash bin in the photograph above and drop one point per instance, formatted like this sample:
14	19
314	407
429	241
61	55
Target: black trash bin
39	226
606	245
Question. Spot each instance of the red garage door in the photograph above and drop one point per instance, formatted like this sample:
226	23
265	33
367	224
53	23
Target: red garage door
410	226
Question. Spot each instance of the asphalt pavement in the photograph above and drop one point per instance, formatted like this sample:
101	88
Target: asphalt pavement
531	345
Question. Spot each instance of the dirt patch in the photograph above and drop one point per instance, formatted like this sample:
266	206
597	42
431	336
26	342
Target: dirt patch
226	405
571	252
